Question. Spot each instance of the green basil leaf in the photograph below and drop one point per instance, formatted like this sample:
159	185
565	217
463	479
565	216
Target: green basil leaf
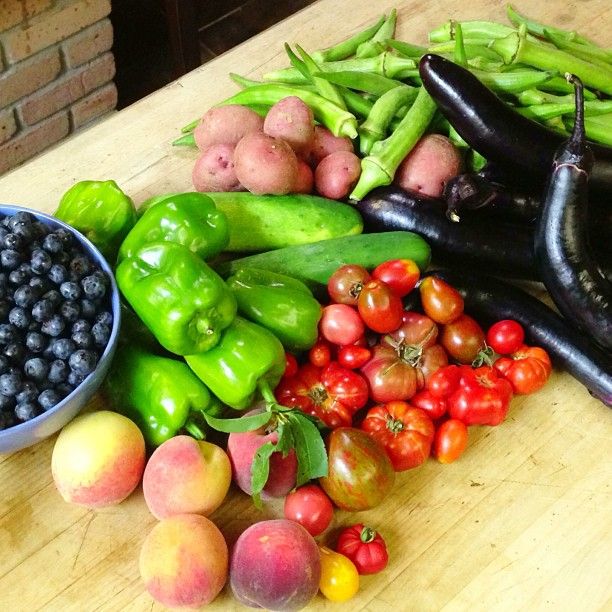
239	425
260	470
309	448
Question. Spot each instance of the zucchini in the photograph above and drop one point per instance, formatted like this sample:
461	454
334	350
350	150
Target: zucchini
264	222
315	263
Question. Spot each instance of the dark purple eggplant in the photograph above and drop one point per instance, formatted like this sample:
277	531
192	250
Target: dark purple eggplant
517	144
490	300
563	253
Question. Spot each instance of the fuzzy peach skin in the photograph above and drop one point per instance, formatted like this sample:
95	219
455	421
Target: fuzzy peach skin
98	459
186	476
184	561
276	565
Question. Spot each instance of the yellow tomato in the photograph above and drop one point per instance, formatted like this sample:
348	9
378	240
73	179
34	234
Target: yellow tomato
339	576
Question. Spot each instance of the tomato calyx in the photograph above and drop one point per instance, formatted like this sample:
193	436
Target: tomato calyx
318	395
367	535
485	357
394	425
408	353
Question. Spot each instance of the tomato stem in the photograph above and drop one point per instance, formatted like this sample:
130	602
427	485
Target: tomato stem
394	425
318	395
367	535
484	357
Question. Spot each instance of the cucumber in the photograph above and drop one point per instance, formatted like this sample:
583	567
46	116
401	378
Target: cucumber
315	263
261	223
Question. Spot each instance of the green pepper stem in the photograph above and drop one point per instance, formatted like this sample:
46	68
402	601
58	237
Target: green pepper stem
266	393
194	430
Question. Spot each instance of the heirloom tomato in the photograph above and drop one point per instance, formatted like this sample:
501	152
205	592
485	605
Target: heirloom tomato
365	547
527	369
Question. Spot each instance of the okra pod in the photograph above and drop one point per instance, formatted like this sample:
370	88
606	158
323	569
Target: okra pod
512	82
589	53
408	50
474	48
375	127
362	81
598	129
190	126
348	47
529	97
356	103
543	112
379	167
459	53
338	120
481	30
186	140
515	48
377	43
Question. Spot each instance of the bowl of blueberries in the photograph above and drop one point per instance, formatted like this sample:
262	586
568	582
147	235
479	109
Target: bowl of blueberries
59	324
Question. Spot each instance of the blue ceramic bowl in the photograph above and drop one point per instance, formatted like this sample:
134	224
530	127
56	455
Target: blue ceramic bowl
29	433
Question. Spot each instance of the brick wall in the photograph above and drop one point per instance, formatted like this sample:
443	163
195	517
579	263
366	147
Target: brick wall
56	72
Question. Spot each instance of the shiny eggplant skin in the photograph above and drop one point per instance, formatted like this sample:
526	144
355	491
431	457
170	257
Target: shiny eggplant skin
491	127
490	300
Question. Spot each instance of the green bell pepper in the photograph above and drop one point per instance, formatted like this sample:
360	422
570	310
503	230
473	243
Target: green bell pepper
178	296
282	304
248	357
101	211
191	219
158	393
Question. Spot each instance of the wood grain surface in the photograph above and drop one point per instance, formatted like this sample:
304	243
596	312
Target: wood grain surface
521	522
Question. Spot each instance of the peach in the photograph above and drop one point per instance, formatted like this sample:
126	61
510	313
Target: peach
241	448
184	560
186	476
275	565
98	459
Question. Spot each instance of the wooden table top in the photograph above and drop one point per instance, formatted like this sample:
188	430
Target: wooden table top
522	521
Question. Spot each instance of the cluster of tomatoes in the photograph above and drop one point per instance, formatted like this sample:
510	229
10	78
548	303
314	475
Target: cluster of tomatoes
413	379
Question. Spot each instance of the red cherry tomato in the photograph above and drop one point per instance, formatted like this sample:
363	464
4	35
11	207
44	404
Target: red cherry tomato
450	441
310	507
506	336
440	301
463	339
380	308
401	275
341	324
320	353
291	365
344	285
364	547
353	356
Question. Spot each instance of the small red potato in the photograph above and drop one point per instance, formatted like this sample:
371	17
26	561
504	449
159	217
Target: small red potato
337	174
292	120
305	178
430	164
324	143
214	169
226	125
265	165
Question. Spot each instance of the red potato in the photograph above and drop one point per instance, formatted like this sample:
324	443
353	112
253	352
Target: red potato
226	125
292	120
336	174
430	164
324	143
265	165
305	178
214	170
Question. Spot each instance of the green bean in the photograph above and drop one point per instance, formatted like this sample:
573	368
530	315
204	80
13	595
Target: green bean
374	128
376	44
481	30
347	47
537	29
549	111
379	167
585	52
338	120
361	81
515	48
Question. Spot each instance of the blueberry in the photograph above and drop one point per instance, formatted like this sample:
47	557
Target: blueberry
13	241
18	277
75	379
40	229
15	352
101	333
36	368
81	326
53	326
20	218
54	297
70	290
57	274
39	284
29	392
61	258
70	311
89	309
62	348
8	333
24	296
58	371
7	402
10	259
19	317
48	398
93	287
36	342
41	261
10	384
43	309
52	243
26	411
79	267
82	362
24	230
104	317
65	236
83	340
